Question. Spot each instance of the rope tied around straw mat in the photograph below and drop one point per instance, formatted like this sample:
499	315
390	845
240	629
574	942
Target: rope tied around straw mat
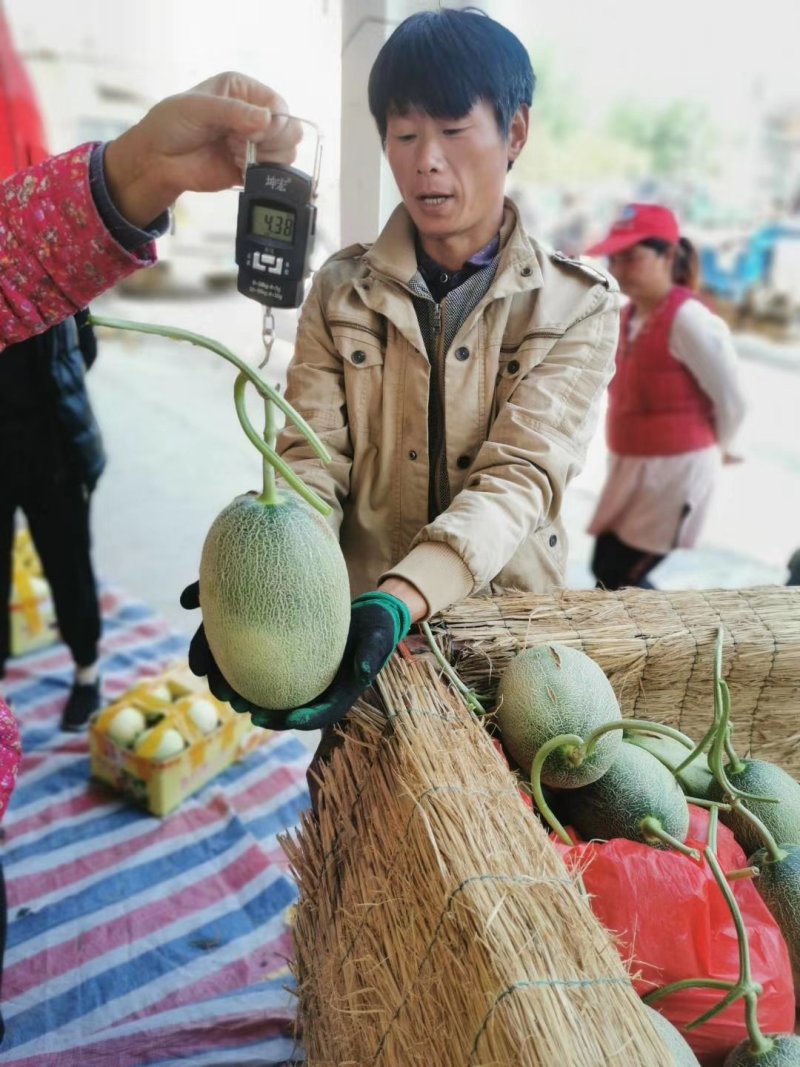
509	879
541	983
468	791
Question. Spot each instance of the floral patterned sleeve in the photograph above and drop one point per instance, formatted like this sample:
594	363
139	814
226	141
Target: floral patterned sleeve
10	754
56	254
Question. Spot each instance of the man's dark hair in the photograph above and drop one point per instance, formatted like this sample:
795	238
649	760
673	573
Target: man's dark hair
444	62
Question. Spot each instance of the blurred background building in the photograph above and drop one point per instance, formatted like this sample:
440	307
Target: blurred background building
696	105
702	114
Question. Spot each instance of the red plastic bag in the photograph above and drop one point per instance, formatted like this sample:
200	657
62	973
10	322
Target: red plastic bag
671	922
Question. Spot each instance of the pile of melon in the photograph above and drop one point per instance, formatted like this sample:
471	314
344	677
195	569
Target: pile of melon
608	777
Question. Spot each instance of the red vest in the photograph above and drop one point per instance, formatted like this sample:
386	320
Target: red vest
655	405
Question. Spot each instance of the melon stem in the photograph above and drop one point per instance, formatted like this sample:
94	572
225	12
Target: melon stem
742	873
713	827
536	782
775	852
759	1044
702	802
176	333
720	732
470	698
269	454
744	988
269	494
697	749
721	742
635	726
735	765
651	827
685	983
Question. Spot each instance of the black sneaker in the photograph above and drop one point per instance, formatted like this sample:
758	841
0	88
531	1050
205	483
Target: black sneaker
83	701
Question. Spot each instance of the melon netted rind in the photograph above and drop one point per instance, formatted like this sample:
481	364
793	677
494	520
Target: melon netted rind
634	787
766	780
275	596
554	689
674	1040
779	886
695	780
785	1052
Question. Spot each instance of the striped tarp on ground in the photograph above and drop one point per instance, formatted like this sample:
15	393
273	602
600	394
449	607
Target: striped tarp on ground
134	940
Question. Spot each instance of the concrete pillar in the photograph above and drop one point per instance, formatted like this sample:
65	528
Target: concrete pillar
368	191
364	29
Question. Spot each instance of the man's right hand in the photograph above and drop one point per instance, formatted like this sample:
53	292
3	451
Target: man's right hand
203	664
378	621
201	659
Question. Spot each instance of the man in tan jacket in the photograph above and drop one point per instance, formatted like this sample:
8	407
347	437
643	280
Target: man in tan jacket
453	369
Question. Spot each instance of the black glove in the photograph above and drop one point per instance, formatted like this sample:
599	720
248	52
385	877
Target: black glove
378	622
201	660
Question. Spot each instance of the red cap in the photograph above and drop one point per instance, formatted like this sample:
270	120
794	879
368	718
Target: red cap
636	223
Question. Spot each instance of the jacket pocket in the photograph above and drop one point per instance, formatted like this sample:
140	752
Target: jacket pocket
538	565
552	547
359	356
359	345
515	362
363	358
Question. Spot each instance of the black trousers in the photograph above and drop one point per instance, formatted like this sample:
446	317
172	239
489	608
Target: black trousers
615	564
58	518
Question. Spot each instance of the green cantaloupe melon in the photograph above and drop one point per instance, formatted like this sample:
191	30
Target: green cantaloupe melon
785	1052
553	689
275	597
672	1038
695	780
765	780
635	788
779	885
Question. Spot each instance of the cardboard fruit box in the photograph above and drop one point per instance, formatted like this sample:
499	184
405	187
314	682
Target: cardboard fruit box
177	710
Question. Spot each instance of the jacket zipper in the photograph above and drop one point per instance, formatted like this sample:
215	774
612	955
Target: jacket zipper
440	457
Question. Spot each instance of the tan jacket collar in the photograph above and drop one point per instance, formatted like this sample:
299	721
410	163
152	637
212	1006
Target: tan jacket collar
394	257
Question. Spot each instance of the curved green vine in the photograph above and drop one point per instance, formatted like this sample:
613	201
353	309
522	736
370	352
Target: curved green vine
744	988
576	751
721	743
634	726
653	831
470	697
697	749
271	396
776	853
536	781
710	733
269	493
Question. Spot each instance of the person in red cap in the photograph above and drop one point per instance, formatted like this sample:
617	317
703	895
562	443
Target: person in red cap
674	404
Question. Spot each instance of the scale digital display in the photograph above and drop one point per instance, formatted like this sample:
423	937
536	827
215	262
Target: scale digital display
274	234
271	222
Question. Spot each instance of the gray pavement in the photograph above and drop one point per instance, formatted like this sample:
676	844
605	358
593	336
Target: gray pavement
177	456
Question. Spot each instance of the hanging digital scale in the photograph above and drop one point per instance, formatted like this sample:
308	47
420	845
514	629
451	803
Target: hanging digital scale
275	234
275	230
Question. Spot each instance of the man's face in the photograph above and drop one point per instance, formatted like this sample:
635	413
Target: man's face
451	172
